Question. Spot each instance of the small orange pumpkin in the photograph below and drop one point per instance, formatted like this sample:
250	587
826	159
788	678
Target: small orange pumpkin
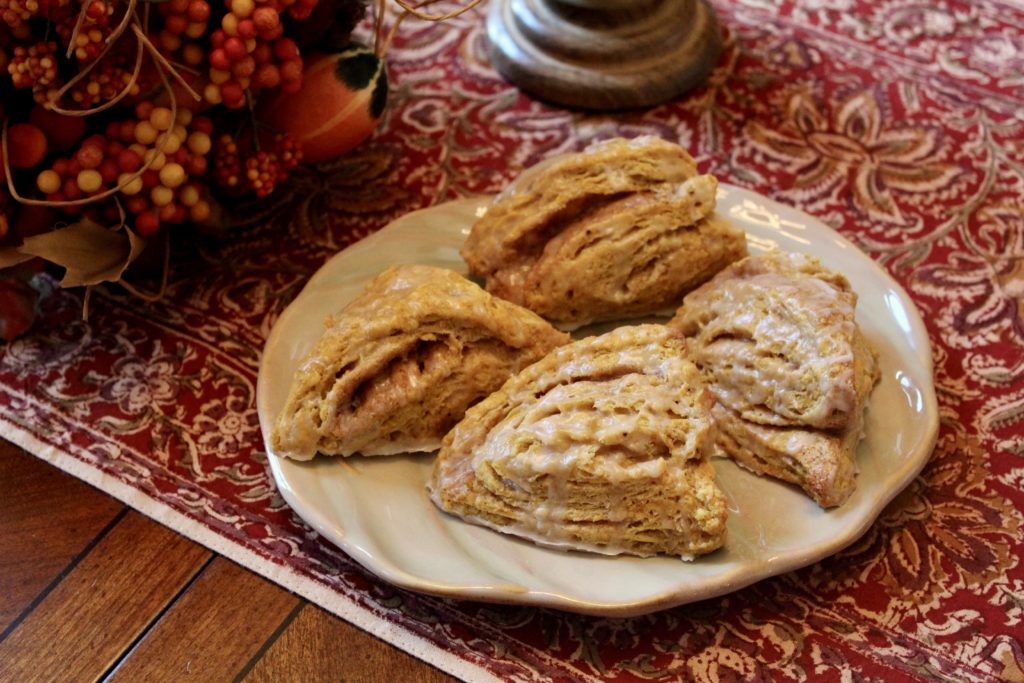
339	105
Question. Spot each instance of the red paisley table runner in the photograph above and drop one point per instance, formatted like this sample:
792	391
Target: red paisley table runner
899	123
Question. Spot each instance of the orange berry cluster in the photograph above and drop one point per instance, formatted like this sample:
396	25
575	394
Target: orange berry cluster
173	151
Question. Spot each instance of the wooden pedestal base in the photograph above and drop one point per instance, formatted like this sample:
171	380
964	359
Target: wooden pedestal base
604	54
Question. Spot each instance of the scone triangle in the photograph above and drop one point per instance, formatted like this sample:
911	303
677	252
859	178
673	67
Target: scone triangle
397	368
620	230
777	339
602	445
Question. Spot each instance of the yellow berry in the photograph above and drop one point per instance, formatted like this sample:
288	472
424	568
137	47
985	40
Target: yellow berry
217	76
48	182
183	118
211	93
161	196
196	29
145	133
199	143
242	8
168	143
188	195
129	187
161	118
172	175
154	159
89	180
199	212
230	24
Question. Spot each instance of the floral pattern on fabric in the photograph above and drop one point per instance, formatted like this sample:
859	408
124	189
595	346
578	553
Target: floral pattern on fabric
899	124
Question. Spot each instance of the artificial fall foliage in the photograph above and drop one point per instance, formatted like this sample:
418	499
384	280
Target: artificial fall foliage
124	117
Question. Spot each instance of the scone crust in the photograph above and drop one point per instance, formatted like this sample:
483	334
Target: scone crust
606	168
623	229
402	362
602	445
791	372
778	332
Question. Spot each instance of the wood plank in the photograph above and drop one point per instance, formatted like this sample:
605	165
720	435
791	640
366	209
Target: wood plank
47	518
209	634
95	614
318	646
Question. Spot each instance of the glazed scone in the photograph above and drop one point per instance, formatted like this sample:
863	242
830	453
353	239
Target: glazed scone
779	335
777	339
602	445
397	368
620	230
818	461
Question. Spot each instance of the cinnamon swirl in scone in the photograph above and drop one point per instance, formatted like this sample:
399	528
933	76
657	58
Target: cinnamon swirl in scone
602	445
777	339
622	229
397	368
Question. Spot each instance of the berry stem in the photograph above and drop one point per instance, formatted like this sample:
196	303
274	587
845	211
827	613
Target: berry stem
162	61
84	72
77	29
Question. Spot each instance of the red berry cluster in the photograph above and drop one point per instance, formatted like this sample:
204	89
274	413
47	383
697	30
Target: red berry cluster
104	82
17	13
34	66
239	167
92	32
249	51
174	151
184	21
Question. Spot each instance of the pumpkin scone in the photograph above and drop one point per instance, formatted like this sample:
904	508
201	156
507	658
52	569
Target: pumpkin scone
398	367
623	229
602	446
777	339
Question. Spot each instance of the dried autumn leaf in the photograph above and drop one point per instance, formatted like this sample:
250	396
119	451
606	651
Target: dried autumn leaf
12	256
89	252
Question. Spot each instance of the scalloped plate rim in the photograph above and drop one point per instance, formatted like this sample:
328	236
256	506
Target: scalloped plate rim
311	511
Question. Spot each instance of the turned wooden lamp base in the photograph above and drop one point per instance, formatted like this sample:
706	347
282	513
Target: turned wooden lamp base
604	54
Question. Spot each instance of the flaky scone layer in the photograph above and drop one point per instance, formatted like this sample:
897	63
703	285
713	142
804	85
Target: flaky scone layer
602	445
622	229
777	339
401	363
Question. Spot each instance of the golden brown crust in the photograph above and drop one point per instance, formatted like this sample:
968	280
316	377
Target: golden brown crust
777	339
402	362
621	230
818	461
602	445
777	333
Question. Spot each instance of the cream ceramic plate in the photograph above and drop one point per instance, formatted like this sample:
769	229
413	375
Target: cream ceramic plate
377	510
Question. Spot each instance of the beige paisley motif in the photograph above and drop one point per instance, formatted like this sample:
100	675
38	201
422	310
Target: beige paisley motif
853	145
946	529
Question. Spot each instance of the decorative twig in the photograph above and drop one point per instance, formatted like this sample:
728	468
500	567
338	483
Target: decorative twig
161	144
77	29
123	26
111	39
109	103
162	61
380	48
415	10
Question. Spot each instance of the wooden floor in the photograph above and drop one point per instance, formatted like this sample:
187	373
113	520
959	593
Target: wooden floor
92	590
